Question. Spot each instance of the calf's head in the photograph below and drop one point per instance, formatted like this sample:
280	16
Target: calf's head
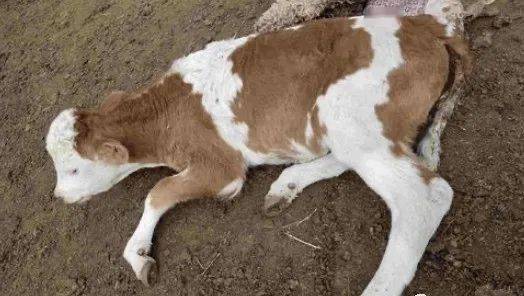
82	175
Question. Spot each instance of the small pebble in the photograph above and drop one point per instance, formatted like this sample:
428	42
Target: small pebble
218	281
184	256
480	217
346	256
268	224
293	284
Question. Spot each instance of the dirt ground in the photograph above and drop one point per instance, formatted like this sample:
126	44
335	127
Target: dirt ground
56	54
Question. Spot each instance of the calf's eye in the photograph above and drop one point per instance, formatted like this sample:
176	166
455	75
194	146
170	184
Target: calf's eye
74	171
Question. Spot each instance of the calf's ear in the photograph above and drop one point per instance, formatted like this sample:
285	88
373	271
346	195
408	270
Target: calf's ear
113	152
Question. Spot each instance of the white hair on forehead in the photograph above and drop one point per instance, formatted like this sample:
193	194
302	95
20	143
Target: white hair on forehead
60	140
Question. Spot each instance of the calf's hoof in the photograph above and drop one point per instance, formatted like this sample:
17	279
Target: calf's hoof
141	263
274	205
143	273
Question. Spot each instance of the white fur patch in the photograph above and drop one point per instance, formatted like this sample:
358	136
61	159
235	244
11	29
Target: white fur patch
60	140
309	129
350	116
232	189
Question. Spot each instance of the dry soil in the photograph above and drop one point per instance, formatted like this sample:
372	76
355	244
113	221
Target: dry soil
56	54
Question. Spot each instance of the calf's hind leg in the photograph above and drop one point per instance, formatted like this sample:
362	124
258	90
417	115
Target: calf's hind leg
417	205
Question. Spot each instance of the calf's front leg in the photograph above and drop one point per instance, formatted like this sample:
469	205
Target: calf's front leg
192	183
295	178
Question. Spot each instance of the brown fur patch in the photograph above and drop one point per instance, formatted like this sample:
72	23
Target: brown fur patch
284	73
165	123
416	85
200	180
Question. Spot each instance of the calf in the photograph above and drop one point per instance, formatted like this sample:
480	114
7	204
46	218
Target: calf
328	96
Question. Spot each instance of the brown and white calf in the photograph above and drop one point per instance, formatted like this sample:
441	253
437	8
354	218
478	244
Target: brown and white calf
328	96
